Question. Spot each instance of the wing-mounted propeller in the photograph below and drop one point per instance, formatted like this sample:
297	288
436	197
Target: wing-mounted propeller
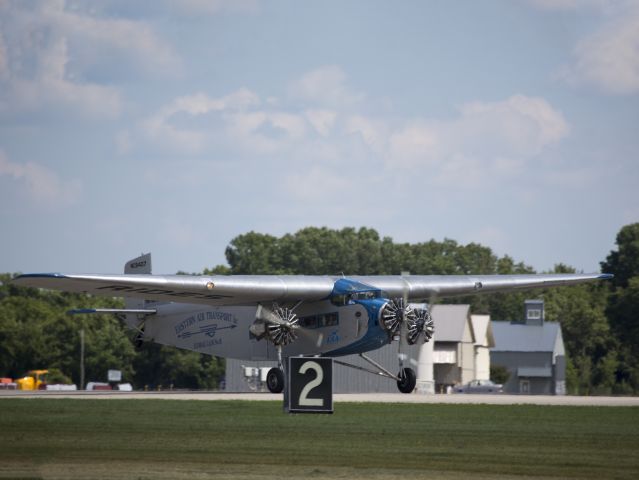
420	325
395	313
418	322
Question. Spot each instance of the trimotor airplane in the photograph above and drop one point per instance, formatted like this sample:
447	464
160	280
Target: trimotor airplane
268	317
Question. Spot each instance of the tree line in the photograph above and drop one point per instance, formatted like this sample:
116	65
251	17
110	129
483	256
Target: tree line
600	332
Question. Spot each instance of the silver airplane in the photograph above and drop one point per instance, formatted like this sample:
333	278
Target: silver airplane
271	317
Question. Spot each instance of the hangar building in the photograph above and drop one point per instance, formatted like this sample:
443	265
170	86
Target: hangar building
532	351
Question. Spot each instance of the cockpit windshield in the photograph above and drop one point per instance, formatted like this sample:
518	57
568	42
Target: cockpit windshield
347	291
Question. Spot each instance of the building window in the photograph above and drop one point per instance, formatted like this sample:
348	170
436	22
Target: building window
445	354
534	314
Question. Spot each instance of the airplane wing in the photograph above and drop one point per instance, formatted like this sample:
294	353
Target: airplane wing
424	287
254	289
209	290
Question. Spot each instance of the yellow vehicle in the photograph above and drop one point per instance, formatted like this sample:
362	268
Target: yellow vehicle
33	380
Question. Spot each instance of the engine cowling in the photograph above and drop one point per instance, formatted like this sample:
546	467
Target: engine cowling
418	321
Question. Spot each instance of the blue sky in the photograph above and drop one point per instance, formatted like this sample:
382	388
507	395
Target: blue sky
172	127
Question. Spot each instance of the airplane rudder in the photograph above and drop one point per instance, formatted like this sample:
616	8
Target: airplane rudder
139	265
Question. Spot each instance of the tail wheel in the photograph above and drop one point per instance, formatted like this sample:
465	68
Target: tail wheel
407	380
275	380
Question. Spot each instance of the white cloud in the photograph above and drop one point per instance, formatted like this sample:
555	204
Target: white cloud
4	61
568	5
161	127
575	178
265	132
52	56
49	86
123	142
417	143
609	58
486	143
524	124
318	183
238	121
487	139
43	186
116	40
322	120
210	7
325	86
373	132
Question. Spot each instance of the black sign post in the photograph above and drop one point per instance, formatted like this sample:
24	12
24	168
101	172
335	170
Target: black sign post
310	385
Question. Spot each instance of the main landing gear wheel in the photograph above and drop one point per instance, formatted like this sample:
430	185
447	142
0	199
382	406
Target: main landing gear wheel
407	380
275	380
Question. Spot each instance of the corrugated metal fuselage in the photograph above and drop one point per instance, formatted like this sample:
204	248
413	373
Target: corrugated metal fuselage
223	331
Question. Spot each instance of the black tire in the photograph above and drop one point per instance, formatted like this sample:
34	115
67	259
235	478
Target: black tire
275	380
407	380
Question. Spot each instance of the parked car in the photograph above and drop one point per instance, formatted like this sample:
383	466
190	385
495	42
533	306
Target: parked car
480	386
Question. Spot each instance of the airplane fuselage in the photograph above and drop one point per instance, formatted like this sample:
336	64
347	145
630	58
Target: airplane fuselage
328	329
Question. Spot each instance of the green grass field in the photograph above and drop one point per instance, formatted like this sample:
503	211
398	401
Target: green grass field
46	438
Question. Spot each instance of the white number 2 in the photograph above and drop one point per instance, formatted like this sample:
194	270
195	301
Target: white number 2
304	400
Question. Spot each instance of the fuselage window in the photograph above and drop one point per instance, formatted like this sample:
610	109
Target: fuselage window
308	322
348	299
366	295
331	319
319	321
339	300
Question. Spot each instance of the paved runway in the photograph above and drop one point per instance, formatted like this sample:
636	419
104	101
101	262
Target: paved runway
341	397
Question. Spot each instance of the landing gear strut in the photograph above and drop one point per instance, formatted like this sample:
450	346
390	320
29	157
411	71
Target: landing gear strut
407	324
406	379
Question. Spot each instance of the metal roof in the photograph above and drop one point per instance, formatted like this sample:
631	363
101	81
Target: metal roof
483	330
511	337
450	322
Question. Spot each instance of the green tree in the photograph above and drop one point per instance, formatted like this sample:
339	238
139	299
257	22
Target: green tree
588	341
499	374
217	270
159	366
623	305
254	253
623	310
36	332
624	262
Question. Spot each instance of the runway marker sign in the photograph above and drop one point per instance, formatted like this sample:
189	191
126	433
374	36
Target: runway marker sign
310	385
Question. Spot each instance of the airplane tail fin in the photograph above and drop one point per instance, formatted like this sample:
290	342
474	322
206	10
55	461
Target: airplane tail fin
141	264
138	265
